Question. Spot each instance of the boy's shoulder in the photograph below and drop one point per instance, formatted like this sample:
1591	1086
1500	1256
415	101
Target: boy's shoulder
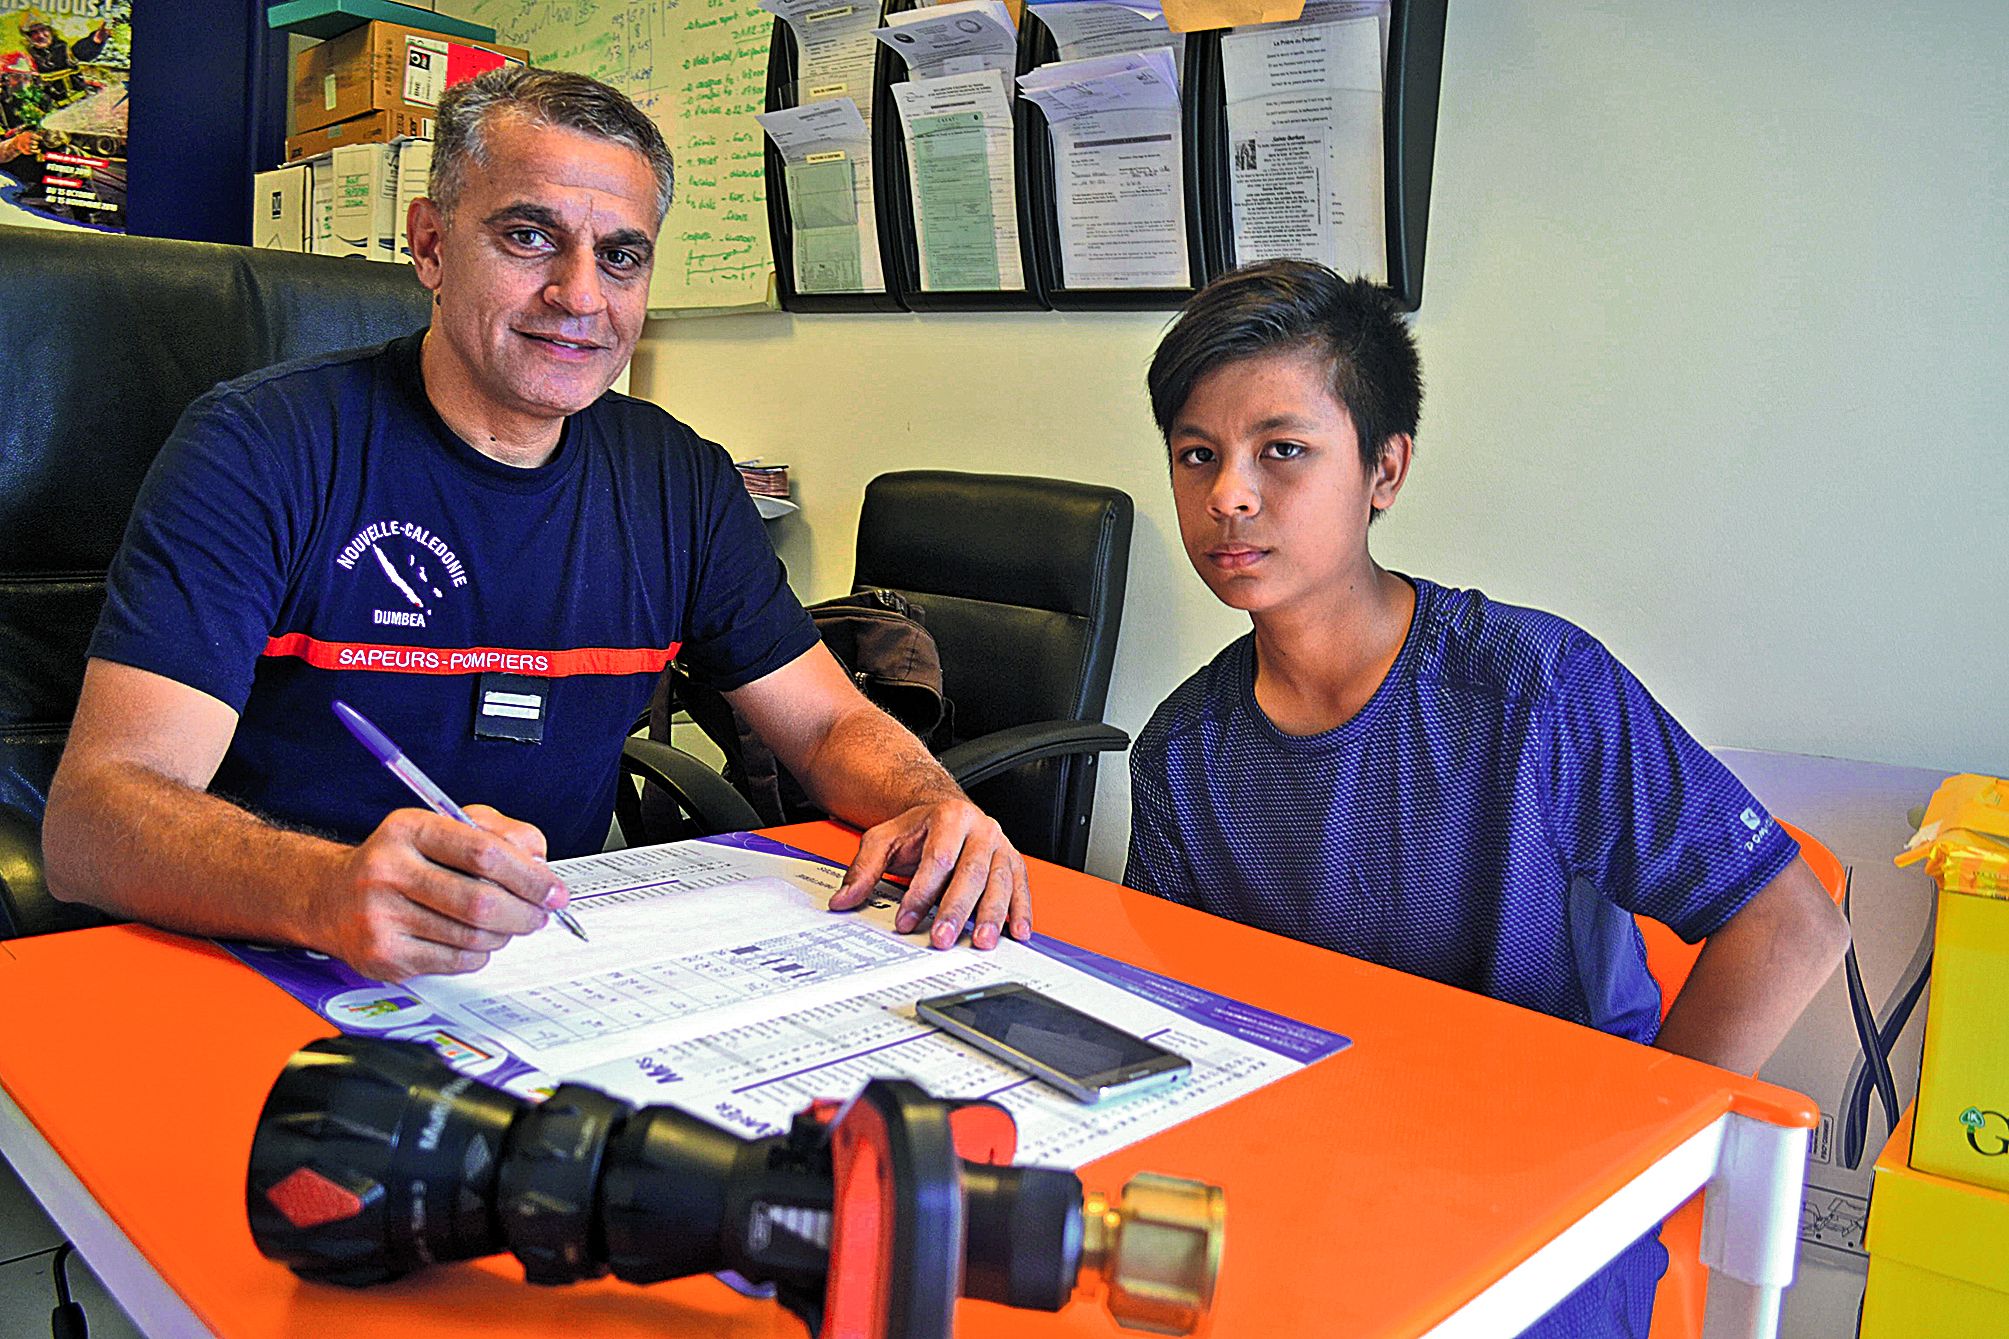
1461	640
1469	641
1207	695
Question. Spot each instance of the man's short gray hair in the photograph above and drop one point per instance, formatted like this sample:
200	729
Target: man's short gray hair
544	98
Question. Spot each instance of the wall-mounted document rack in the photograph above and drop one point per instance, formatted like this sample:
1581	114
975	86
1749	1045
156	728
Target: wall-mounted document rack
919	276
1252	155
1121	279
803	265
1312	138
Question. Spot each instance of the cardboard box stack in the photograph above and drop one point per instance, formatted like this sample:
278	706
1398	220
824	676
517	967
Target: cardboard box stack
366	194
363	104
321	204
370	128
280	208
387	67
414	170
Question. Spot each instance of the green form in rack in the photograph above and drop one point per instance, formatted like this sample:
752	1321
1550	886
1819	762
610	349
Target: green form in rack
952	199
823	208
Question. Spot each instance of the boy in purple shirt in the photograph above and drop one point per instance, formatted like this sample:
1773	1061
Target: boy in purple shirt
1417	775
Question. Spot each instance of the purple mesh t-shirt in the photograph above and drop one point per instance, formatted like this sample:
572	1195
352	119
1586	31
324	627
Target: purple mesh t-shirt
1490	819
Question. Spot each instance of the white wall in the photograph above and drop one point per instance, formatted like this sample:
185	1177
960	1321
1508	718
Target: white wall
1713	325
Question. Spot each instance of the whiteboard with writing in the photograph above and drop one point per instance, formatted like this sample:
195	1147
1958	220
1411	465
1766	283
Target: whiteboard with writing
699	68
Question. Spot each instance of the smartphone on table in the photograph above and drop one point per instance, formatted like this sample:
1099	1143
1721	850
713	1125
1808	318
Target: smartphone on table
1079	1054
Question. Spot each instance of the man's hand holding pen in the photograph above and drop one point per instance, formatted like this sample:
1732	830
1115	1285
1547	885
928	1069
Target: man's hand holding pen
426	894
437	890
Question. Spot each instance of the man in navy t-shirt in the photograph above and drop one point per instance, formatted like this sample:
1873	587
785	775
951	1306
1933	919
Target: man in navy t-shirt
1419	776
468	538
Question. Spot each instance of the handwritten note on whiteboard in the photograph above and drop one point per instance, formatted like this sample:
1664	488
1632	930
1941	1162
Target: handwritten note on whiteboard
699	68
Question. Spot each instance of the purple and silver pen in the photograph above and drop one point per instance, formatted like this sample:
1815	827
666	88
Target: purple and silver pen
404	769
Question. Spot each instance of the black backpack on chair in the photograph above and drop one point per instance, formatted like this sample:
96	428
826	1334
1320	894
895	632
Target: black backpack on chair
881	639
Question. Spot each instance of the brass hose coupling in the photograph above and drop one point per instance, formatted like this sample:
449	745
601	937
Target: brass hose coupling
1157	1250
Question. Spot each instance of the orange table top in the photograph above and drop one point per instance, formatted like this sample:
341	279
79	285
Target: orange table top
1370	1194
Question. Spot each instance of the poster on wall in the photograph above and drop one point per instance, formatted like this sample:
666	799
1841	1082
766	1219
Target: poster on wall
63	108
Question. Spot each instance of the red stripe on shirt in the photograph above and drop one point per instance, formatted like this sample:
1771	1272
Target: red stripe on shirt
471	659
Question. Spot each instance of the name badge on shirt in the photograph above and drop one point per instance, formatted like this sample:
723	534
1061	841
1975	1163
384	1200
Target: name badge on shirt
511	706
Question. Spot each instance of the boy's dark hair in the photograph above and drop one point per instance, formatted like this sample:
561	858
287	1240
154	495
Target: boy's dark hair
1280	305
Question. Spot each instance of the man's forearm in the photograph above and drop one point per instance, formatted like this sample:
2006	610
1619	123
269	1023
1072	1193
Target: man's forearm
869	768
1757	974
141	845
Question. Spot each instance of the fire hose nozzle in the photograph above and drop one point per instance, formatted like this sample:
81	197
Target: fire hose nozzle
1157	1250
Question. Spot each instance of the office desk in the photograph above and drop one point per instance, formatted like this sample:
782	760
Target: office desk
1455	1172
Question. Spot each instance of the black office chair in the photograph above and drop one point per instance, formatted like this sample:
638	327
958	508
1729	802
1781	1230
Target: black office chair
1021	582
109	339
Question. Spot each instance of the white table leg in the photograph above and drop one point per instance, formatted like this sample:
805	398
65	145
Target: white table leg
1751	1224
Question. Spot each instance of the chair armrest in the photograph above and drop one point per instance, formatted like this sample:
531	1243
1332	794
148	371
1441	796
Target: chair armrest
705	795
986	756
24	897
27	907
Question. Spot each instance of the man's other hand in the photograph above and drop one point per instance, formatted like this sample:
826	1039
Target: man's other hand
424	894
957	860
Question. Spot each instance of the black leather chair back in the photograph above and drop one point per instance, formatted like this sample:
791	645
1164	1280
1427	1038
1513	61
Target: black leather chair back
1022	582
108	339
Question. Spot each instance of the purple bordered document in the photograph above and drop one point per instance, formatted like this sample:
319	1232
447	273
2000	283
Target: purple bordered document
716	981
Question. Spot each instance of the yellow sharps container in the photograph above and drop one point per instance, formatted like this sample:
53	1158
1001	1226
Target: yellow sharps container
1962	1117
1937	1264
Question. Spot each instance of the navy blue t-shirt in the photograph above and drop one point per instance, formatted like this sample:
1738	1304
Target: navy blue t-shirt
315	530
1491	819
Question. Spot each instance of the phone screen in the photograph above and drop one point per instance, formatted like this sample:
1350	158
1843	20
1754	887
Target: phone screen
1052	1033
